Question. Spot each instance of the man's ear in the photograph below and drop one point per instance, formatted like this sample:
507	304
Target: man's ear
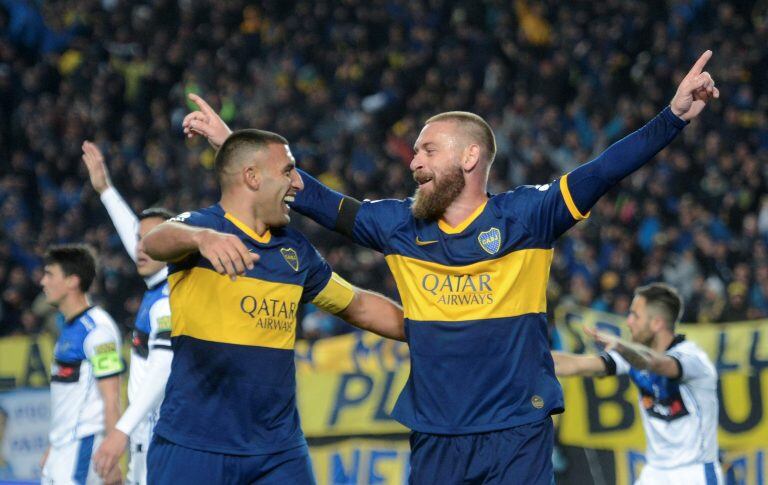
252	177
658	323
471	157
72	281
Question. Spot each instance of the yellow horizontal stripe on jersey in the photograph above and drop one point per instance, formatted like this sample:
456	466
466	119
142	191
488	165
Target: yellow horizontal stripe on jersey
575	213
249	311
336	296
512	285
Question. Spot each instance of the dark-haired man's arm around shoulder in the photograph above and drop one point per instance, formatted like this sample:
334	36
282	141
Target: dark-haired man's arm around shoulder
172	241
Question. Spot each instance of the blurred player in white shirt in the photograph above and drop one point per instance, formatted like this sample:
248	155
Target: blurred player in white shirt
677	384
85	382
151	353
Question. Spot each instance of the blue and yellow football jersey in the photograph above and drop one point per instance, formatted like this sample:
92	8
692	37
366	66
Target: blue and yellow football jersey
474	298
232	387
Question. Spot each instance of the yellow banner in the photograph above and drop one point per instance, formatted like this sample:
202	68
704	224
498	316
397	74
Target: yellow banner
25	361
603	413
361	461
348	385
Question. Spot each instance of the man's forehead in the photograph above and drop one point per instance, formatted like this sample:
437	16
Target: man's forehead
288	153
437	131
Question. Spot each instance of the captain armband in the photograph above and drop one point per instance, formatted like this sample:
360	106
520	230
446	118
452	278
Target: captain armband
106	361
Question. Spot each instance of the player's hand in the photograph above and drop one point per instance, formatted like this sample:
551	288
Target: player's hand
696	88
608	341
109	453
115	476
97	170
205	122
226	252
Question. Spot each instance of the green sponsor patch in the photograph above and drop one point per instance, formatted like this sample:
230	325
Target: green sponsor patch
164	323
106	363
104	348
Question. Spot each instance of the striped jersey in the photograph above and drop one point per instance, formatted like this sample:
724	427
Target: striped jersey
680	416
474	298
232	387
87	349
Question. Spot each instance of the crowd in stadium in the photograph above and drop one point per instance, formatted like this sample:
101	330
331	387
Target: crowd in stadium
349	84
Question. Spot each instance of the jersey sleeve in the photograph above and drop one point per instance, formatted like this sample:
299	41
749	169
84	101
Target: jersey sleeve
325	288
198	219
160	325
102	349
693	364
615	364
368	223
195	219
545	211
377	220
123	218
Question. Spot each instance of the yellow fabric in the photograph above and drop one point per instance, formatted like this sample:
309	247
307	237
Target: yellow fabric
575	213
449	229
264	239
512	285
248	311
336	296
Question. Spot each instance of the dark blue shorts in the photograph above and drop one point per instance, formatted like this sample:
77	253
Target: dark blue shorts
522	454
169	463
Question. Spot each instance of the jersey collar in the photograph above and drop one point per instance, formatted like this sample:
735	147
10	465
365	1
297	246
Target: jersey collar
264	239
448	229
678	339
157	278
75	317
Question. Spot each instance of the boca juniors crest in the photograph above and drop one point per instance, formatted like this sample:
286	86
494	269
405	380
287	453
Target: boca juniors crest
290	256
490	240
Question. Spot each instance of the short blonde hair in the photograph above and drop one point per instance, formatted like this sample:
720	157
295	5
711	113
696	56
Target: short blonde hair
475	126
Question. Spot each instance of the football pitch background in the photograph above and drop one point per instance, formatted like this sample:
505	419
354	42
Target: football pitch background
347	385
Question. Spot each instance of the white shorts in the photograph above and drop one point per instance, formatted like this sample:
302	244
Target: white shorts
72	463
138	447
697	474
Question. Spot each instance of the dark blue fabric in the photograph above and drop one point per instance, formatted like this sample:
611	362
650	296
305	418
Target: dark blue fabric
317	201
169	463
151	296
83	463
522	454
590	181
228	398
478	376
313	271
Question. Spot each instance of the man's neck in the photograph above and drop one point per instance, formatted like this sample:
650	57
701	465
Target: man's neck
662	342
464	205
240	208
74	305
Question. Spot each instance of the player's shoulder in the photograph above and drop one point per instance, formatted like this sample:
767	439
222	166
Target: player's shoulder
523	193
389	207
689	350
212	217
96	317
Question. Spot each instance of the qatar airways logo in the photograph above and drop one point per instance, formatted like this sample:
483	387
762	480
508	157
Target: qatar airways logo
459	289
270	313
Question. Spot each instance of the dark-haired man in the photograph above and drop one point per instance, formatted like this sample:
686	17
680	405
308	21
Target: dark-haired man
151	353
237	277
677	383
85	383
472	271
